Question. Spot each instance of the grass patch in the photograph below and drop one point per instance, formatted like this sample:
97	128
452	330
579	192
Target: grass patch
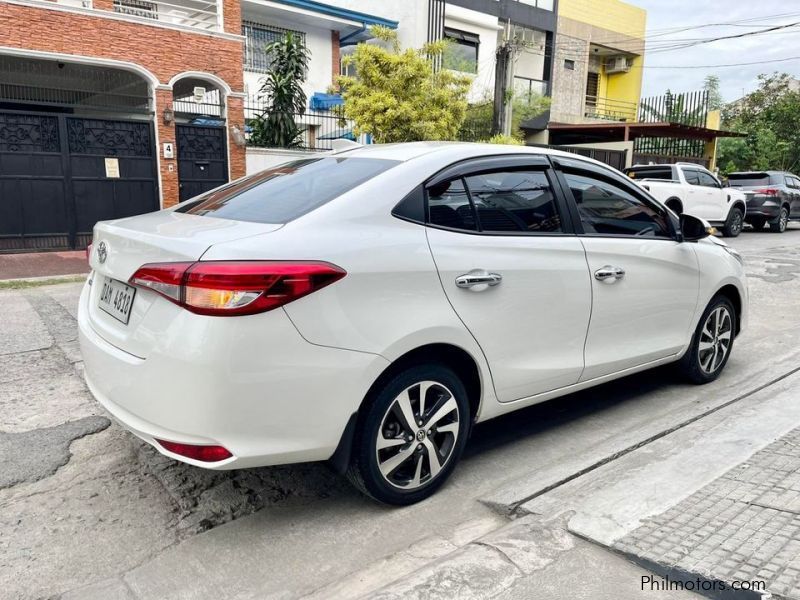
22	284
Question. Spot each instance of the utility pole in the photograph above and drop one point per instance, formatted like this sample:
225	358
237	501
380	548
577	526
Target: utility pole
506	57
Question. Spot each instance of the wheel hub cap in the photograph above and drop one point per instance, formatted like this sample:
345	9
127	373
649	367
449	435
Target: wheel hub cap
715	339
417	435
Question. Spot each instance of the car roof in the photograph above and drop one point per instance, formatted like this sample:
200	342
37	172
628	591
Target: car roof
758	173
457	150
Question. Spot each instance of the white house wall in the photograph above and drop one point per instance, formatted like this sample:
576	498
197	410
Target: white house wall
318	41
411	14
486	27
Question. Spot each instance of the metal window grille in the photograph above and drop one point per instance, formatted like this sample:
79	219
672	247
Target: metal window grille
137	8
257	36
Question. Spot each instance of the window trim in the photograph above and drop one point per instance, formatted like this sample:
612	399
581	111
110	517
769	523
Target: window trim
487	164
562	165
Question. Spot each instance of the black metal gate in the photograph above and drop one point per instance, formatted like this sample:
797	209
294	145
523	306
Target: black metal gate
202	159
59	175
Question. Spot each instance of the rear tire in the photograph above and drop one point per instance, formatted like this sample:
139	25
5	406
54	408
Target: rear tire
779	225
712	342
400	463
758	223
734	223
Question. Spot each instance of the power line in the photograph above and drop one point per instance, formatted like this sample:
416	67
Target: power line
743	64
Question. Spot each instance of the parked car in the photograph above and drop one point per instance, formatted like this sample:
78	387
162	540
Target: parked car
772	197
691	189
370	306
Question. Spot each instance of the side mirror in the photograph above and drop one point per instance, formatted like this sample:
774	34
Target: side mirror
693	229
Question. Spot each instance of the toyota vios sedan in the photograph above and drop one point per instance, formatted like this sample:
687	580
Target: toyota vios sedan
369	307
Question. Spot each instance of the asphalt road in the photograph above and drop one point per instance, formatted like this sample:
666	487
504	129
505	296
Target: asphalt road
115	507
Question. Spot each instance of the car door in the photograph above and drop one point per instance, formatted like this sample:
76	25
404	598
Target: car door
717	197
645	284
795	199
513	270
695	201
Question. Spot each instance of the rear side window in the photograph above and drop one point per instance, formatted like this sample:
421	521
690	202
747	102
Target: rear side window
514	201
651	173
503	201
449	206
286	192
748	179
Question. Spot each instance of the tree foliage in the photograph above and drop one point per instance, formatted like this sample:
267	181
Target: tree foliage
477	126
770	118
711	85
282	91
398	96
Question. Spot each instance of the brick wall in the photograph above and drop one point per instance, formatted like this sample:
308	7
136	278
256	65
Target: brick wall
162	51
335	58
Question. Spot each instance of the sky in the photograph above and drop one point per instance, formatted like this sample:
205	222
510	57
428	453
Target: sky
735	81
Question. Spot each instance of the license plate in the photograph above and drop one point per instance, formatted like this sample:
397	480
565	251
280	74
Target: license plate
116	298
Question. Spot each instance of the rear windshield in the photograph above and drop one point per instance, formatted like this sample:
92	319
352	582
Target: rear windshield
286	192
651	173
748	179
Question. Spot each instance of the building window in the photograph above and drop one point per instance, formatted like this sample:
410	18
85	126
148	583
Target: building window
137	8
462	52
543	4
569	65
257	36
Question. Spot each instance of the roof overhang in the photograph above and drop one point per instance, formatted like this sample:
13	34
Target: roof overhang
351	25
615	132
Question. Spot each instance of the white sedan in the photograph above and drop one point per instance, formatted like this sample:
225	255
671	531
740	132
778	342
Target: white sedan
369	307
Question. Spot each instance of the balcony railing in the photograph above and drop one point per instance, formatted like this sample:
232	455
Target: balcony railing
609	109
200	14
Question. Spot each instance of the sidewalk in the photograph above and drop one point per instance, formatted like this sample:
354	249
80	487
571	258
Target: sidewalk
42	264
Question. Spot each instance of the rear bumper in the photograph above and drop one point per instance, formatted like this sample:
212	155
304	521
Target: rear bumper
762	209
255	387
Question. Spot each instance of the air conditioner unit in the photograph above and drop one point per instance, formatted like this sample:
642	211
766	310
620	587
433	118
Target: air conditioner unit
617	64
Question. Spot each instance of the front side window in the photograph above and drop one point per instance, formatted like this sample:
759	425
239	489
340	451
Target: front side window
461	53
286	192
508	201
692	176
607	209
707	180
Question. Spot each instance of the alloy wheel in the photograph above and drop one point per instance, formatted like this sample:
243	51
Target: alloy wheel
738	223
418	434
784	220
715	339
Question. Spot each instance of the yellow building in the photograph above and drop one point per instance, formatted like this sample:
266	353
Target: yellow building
597	70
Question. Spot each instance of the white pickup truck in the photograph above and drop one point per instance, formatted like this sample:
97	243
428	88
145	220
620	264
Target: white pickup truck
691	189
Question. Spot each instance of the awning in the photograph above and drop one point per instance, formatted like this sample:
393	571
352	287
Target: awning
620	132
352	26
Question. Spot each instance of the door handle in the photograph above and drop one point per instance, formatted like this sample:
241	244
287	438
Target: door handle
474	278
609	274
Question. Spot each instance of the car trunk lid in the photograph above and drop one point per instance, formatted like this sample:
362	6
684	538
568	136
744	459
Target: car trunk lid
120	247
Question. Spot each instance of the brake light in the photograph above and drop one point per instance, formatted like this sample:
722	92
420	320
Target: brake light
89	253
767	191
197	452
230	288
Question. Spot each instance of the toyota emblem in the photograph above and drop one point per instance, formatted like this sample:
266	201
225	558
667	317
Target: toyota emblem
102	252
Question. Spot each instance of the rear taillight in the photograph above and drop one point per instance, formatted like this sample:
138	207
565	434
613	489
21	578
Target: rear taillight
202	453
767	191
89	253
229	288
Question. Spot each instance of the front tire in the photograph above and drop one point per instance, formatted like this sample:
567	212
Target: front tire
734	223
411	436
712	342
779	225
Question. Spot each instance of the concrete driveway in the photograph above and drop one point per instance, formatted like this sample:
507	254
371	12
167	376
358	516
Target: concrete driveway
85	504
